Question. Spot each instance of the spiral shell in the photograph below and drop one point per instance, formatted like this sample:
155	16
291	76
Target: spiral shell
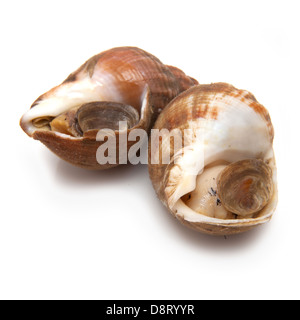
124	83
221	179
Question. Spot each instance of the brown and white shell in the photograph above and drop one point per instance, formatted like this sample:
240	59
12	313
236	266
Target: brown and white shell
220	178
121	84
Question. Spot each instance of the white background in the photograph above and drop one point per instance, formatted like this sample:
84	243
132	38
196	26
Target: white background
68	233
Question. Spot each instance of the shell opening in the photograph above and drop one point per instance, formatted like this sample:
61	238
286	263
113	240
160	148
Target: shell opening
79	107
232	191
202	199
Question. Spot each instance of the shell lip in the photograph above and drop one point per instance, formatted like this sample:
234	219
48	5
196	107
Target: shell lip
176	205
25	127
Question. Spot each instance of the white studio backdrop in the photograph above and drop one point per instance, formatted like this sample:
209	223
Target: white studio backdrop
68	233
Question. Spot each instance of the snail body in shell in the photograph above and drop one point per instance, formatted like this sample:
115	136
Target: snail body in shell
120	84
222	179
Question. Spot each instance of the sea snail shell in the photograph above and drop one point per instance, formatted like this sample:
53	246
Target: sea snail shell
121	84
223	180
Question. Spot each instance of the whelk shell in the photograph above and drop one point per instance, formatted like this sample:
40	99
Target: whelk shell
120	84
223	180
